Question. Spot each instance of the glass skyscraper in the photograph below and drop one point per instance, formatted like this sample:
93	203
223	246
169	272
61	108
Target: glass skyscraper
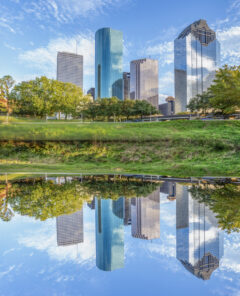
109	234
199	240
108	63
196	58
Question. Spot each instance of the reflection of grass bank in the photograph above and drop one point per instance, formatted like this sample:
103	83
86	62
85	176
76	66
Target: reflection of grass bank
186	157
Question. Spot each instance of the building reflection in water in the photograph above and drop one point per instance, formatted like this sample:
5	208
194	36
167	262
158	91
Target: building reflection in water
70	229
199	241
109	234
145	216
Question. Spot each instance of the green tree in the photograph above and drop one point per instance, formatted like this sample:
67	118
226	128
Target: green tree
224	201
225	90
6	84
143	108
200	103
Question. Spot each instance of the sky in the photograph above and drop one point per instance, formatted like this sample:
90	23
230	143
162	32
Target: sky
32	31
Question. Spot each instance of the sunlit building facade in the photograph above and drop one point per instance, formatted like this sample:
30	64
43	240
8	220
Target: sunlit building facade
126	85
144	81
196	59
145	216
70	68
199	240
109	230
108	63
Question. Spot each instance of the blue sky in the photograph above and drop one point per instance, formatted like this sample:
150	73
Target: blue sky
32	31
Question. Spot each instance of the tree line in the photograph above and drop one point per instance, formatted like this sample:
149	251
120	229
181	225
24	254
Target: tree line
43	97
223	96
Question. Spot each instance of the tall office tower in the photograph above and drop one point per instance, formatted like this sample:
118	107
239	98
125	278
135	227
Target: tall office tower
126	85
127	211
70	68
144	81
109	234
145	212
197	56
108	63
70	229
199	240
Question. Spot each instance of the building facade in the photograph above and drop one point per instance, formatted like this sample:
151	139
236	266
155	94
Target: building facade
168	108
144	81
108	63
109	234
91	92
126	85
70	68
70	229
199	240
145	216
196	59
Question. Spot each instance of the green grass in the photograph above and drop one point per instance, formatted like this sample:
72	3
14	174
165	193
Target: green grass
179	148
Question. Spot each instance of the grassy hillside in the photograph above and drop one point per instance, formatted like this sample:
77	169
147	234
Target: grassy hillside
182	148
129	132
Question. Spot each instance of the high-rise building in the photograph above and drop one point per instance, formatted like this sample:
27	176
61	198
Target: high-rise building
145	215
144	81
70	229
108	63
109	234
197	56
91	92
199	240
70	68
126	85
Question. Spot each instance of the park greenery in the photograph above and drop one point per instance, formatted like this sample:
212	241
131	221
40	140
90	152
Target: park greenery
223	96
45	199
43	97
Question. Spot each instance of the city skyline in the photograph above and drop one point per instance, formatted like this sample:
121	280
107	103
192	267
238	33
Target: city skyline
29	51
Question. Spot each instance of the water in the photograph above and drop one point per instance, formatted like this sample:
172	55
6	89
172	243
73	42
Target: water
118	236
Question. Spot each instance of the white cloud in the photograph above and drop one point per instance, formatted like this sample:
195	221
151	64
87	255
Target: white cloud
44	59
3	273
65	11
230	45
163	51
45	239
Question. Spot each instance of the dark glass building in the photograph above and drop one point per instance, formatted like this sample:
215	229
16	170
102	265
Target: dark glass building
108	63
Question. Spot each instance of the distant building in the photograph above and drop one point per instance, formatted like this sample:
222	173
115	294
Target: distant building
168	108
197	56
109	234
145	216
144	81
91	92
70	68
127	212
108	63
126	85
199	240
70	229
169	188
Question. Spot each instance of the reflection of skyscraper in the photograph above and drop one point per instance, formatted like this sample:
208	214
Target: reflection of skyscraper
197	55
199	241
145	214
108	63
127	211
109	234
70	229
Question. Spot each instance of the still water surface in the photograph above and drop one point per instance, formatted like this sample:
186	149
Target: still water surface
118	236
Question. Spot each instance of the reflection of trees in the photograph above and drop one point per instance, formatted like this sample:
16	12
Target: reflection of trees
224	201
47	199
44	200
116	186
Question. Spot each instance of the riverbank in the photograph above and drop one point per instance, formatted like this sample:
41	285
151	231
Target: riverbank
180	149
